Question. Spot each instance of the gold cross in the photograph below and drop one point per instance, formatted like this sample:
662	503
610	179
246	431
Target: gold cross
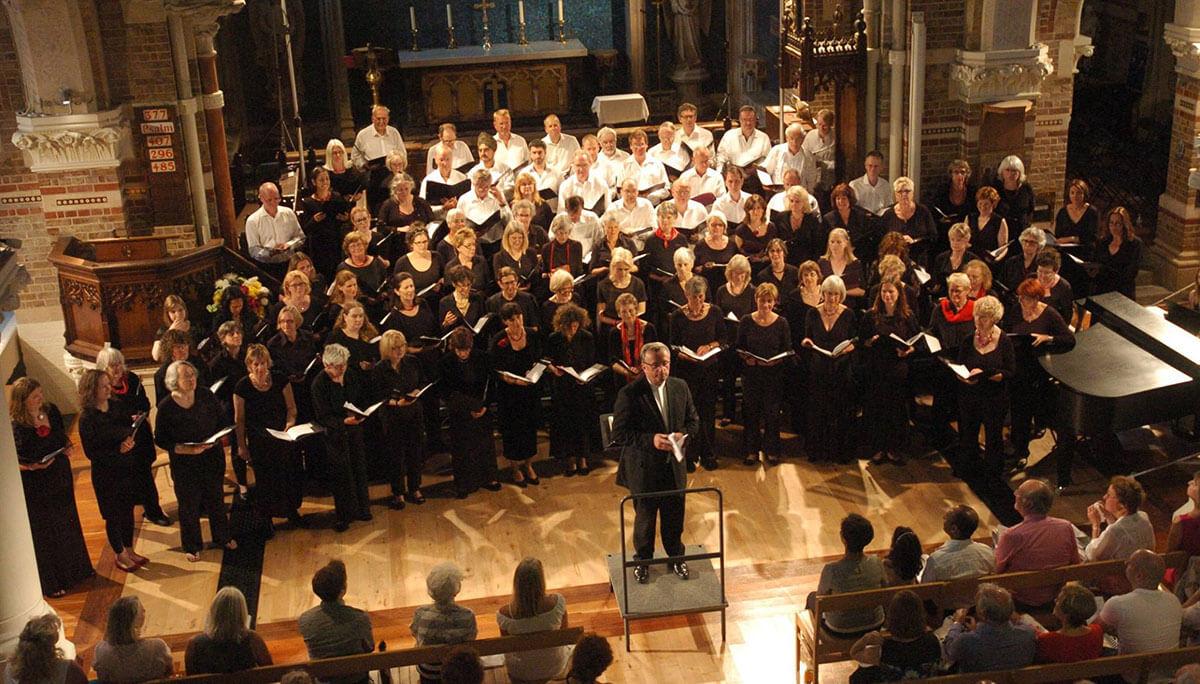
485	6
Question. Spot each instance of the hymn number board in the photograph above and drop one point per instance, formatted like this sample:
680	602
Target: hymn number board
156	135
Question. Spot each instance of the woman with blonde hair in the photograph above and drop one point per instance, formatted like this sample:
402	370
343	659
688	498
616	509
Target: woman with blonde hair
839	260
762	336
909	218
346	180
981	279
354	331
1016	195
983	395
174	317
953	260
124	656
800	227
828	327
264	400
533	610
39	432
515	253
714	250
525	189
562	292
227	643
620	281
396	377
736	299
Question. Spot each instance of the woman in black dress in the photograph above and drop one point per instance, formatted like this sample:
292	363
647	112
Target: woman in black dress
264	400
227	368
671	295
111	444
800	226
516	349
1118	253
614	239
561	252
297	292
323	217
466	254
626	339
296	354
620	281
412	316
763	334
951	323
127	390
910	219
1036	330
989	230
736	299
235	306
399	213
58	545
714	251
1077	222
1058	292
796	305
540	214
185	419
516	254
755	233
174	317
1016	195
463	385
858	223
562	292
342	175
370	271
839	260
954	200
983	396
777	271
353	331
700	328
422	264
830	385
1023	264
342	436
953	260
572	416
463	307
885	412
397	377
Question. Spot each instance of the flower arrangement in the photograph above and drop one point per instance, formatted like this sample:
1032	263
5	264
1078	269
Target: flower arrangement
257	295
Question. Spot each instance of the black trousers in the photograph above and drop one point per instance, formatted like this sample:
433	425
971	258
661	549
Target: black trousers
760	410
989	412
669	509
145	491
406	455
198	488
348	473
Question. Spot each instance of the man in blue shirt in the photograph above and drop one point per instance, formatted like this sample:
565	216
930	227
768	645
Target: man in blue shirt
990	640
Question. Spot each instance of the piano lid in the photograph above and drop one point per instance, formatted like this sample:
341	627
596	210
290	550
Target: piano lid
1105	364
1148	330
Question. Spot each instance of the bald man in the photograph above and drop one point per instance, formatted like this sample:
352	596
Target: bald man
1145	619
373	143
273	232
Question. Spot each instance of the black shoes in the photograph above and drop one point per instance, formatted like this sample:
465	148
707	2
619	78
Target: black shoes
162	519
709	463
691	466
341	526
681	570
493	486
396	503
641	573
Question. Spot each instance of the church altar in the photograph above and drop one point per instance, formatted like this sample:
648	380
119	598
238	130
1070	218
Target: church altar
468	83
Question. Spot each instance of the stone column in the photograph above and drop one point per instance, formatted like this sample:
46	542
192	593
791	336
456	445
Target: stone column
635	43
204	17
333	36
188	107
1176	250
20	589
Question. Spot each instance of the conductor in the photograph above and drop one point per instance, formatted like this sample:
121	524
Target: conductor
652	418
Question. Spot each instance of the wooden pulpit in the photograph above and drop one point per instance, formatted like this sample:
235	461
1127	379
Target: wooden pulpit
112	290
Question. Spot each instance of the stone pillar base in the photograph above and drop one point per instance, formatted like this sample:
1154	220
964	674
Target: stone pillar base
687	83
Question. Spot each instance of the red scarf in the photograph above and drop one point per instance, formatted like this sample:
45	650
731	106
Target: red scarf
967	313
979	295
638	327
666	241
122	389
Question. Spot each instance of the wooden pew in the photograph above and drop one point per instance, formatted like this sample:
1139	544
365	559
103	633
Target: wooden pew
815	646
367	662
1141	664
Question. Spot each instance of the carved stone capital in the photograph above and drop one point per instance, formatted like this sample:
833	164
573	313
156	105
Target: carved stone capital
204	16
79	141
979	77
1184	42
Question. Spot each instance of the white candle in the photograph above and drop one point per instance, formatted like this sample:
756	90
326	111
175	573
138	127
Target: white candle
521	11
449	17
412	18
560	11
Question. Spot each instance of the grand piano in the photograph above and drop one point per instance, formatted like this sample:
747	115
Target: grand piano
1130	368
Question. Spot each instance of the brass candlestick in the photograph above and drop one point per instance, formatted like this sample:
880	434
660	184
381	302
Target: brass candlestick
562	31
521	39
415	47
452	44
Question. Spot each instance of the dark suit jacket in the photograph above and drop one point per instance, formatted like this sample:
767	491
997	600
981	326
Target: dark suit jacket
636	419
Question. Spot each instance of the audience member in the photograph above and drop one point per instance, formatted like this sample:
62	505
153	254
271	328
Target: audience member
1075	640
444	621
591	658
463	666
227	643
991	640
904	560
1126	529
908	651
332	628
533	610
1145	619
854	572
37	658
1038	542
959	556
124	657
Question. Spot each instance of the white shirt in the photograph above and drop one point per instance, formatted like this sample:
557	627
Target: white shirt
959	558
874	198
370	145
675	157
547	178
587	231
502	176
700	137
512	153
634	220
608	171
593	190
264	232
710	183
734	209
821	149
1119	540
435	176
738	150
648	174
460	155
780	159
779	203
559	154
693	218
479	209
1144	620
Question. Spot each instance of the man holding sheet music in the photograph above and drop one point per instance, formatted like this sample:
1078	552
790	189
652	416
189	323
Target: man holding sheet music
653	418
273	232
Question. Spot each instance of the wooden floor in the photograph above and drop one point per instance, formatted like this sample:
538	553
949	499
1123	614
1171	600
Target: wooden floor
781	525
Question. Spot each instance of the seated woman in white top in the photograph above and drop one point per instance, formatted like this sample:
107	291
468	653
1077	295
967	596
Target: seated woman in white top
1125	528
532	610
